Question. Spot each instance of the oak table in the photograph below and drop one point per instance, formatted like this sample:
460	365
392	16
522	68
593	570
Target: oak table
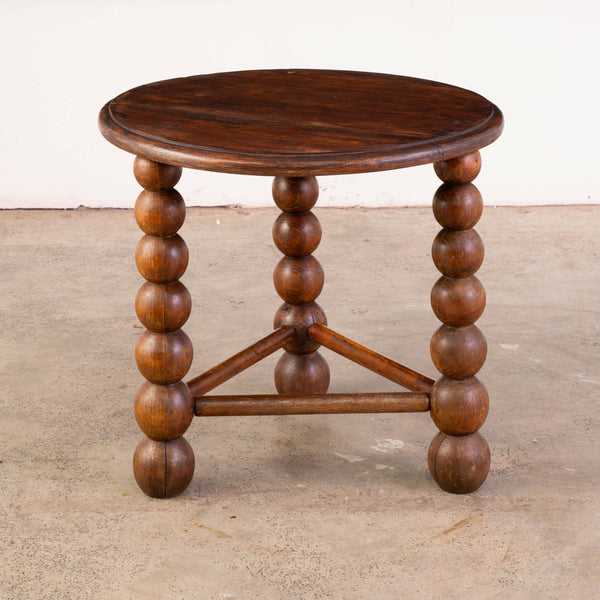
295	125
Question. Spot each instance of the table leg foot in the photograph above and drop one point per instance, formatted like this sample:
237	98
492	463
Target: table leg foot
459	456
163	462
459	464
163	469
298	279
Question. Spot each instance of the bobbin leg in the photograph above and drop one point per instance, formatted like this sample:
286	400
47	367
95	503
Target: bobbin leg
298	279
459	457
163	462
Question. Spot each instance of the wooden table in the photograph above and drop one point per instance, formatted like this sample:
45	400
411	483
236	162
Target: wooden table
295	125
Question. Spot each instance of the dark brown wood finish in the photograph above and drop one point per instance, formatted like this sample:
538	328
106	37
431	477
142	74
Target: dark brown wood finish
163	469
459	406
459	464
240	361
299	122
371	360
302	374
298	279
459	457
300	317
163	462
294	125
314	404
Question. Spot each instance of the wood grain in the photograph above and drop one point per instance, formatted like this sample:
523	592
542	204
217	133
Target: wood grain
294	125
371	360
313	404
459	464
240	361
459	457
299	122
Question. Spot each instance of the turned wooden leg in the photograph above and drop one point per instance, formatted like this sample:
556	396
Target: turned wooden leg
163	463
298	279
459	457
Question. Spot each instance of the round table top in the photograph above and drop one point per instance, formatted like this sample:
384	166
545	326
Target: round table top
299	122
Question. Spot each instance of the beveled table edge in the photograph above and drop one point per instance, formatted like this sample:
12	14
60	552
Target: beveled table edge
300	164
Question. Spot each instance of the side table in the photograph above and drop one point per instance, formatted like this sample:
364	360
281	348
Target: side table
295	125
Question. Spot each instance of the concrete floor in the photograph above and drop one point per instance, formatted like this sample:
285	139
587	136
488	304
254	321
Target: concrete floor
304	507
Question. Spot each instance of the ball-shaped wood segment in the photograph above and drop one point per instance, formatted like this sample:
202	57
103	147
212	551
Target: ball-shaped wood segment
459	406
295	194
301	374
462	169
164	412
300	317
163	469
155	176
164	358
298	280
163	307
458	302
297	235
161	259
457	206
458	352
457	253
160	213
459	464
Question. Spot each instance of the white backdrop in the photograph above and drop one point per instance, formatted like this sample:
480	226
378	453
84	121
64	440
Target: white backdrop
61	60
